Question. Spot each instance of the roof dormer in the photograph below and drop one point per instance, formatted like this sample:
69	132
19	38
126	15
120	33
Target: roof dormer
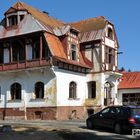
15	14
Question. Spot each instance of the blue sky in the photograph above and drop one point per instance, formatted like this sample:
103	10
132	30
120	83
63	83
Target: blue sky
124	14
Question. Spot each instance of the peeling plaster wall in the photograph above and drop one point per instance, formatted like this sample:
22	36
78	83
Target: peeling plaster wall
99	93
27	81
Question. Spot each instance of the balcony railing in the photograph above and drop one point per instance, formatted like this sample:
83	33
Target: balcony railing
25	64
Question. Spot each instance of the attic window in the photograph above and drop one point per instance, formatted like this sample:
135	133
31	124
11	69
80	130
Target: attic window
73	53
74	33
21	17
110	33
12	20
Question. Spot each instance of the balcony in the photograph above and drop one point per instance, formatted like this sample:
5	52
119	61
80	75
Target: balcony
25	64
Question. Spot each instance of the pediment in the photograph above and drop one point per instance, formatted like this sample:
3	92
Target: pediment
10	10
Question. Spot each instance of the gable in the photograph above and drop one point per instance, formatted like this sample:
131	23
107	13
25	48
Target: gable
28	25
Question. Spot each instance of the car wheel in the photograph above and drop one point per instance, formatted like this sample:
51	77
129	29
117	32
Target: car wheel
117	128
89	124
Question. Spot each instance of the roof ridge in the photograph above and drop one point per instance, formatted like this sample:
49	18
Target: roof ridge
18	4
88	19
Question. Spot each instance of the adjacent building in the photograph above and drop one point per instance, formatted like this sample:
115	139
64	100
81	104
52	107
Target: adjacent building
129	89
55	70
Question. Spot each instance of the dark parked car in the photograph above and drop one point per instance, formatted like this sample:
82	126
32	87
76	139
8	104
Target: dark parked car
119	118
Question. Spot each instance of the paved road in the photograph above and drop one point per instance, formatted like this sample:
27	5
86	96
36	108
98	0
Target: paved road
57	130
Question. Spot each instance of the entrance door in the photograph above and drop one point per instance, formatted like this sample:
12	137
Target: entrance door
107	94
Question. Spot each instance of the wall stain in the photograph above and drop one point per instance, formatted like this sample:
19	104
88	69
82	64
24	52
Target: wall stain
50	93
97	100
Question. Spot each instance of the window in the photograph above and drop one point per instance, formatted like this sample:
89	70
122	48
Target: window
105	111
110	33
92	89
13	20
0	92
16	91
21	17
39	90
72	90
131	98
110	55
45	50
73	53
107	93
36	50
1	52
18	51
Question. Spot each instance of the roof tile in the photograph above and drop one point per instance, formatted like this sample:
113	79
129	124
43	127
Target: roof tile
130	80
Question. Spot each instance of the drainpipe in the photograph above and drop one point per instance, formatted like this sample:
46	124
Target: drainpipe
25	110
5	106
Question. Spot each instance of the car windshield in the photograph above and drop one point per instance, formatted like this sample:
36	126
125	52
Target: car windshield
135	111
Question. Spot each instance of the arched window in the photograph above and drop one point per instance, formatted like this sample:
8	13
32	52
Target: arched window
39	90
72	90
16	91
107	93
110	33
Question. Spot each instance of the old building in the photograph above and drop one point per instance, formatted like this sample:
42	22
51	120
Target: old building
55	70
129	89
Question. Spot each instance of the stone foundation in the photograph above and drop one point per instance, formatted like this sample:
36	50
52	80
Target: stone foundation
44	113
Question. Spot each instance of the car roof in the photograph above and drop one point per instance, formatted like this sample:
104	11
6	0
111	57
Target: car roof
126	106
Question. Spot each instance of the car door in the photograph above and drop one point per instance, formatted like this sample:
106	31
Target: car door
111	117
100	118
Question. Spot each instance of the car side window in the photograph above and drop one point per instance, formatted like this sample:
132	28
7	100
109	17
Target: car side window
105	111
118	110
113	110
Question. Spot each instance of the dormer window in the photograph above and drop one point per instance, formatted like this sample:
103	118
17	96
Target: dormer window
21	17
74	33
73	52
110	33
12	20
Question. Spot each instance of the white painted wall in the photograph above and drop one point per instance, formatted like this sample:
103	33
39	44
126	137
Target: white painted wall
64	77
28	80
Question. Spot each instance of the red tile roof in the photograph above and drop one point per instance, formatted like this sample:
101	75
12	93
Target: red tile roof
55	45
57	50
130	80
